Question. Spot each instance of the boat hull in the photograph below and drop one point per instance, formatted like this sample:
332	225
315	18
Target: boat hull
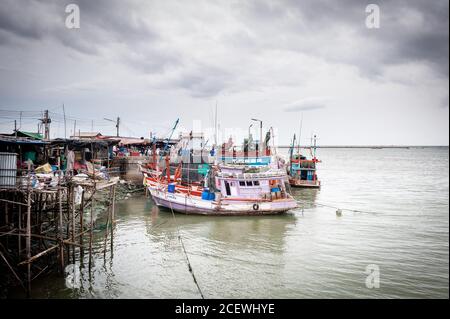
191	205
304	184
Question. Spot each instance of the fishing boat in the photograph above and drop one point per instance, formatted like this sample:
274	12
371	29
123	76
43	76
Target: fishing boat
301	170
225	190
219	181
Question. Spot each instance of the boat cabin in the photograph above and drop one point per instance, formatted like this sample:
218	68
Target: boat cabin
250	183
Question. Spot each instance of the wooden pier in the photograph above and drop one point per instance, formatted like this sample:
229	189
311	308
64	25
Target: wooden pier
44	230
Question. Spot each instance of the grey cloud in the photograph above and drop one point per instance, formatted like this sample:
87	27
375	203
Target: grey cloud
336	31
20	19
309	104
203	81
331	30
102	22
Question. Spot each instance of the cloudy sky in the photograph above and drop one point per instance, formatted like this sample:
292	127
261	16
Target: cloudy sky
151	62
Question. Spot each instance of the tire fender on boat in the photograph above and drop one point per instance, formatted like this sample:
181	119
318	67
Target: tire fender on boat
255	206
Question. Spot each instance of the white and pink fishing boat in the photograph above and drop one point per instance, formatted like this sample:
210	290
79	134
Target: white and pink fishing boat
225	190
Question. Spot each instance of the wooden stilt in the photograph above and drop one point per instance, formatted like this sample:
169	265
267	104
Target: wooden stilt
73	224
6	214
113	215
13	272
47	227
28	243
61	227
107	222
19	239
91	233
81	228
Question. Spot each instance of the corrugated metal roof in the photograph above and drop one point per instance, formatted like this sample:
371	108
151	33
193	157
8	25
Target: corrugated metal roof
36	136
21	140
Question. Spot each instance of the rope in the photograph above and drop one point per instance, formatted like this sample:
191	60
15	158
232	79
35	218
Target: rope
185	253
312	203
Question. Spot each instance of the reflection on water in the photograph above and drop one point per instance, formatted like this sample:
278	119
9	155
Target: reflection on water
306	253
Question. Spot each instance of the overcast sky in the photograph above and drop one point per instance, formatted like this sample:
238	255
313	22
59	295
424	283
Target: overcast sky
151	62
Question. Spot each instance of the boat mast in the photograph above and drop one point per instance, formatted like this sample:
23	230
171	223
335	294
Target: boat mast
315	146
170	136
300	135
154	154
168	168
291	151
215	126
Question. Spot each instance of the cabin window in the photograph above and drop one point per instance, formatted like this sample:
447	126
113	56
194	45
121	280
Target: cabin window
248	183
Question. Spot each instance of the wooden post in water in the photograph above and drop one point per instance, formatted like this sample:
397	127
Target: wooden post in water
39	219
81	228
113	216
73	224
28	243
90	232
6	214
19	238
61	229
67	219
7	222
107	222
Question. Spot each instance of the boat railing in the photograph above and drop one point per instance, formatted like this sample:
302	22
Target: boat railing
252	175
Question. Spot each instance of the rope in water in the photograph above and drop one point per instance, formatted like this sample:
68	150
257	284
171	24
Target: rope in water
185	252
313	203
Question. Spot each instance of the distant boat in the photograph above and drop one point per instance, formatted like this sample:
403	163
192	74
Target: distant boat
302	171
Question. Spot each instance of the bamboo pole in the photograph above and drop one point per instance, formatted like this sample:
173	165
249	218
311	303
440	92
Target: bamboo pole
12	270
61	229
39	218
42	253
44	269
13	202
91	234
113	216
28	242
67	220
19	239
6	222
32	235
81	227
6	214
107	222
73	224
113	204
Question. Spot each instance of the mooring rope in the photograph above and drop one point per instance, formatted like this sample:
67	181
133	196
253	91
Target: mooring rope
313	203
185	252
